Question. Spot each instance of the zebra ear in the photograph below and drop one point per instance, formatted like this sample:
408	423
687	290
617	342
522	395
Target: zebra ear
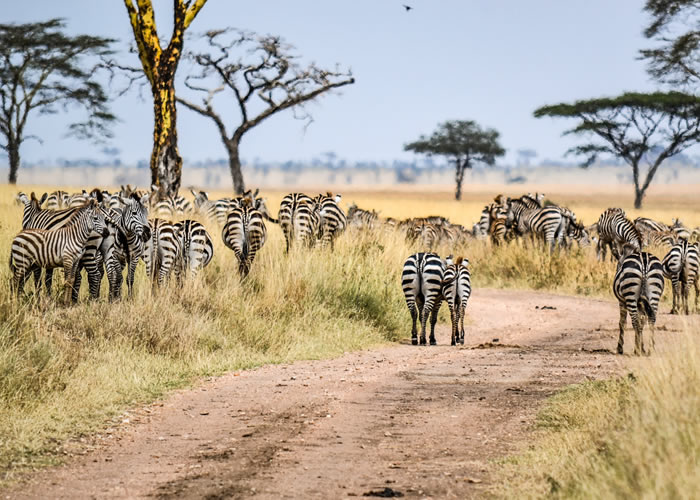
338	198
255	194
43	198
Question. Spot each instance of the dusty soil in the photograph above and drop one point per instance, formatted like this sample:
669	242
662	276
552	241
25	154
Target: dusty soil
419	421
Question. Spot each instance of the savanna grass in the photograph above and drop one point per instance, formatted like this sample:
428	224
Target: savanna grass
637	436
65	371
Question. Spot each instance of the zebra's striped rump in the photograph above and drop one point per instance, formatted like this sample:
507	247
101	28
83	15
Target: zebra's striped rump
638	286
680	265
421	281
245	234
456	289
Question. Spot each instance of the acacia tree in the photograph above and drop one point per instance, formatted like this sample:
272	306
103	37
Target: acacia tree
44	70
463	142
159	65
675	25
644	130
261	76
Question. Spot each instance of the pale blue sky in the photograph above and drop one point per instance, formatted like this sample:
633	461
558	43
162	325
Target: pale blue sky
491	61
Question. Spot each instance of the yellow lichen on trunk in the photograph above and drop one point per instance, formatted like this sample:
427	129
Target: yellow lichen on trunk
160	65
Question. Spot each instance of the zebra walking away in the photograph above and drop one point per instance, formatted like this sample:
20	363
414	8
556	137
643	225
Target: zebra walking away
680	265
421	281
299	219
196	247
245	234
456	289
638	286
161	251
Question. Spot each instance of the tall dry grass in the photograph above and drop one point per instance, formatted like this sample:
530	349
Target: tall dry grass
65	371
637	436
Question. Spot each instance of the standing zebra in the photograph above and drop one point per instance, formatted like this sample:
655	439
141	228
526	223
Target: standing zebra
614	231
58	200
299	219
547	224
360	218
333	220
421	281
681	266
122	245
42	248
245	234
456	289
161	251
196	247
638	286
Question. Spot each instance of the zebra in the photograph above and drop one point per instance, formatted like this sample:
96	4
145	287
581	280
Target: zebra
57	200
548	223
245	234
359	218
34	217
638	286
421	281
680	265
498	231
196	247
123	245
78	199
43	248
161	251
614	230
456	289
182	205
299	219
577	231
428	234
333	221
645	224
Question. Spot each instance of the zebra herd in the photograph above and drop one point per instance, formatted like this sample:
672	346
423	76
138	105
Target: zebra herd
105	232
638	283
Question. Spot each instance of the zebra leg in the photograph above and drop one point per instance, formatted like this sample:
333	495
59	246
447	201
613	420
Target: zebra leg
685	296
130	274
623	320
115	277
424	313
69	270
76	284
676	286
697	291
48	279
461	325
433	321
638	329
455	325
414	317
37	279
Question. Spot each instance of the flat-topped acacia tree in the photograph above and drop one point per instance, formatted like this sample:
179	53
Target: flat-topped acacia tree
675	26
159	65
42	71
259	74
463	142
642	129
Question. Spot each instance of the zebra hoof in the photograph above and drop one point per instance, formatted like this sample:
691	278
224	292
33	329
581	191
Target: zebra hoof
453	342
422	341
619	350
433	342
414	341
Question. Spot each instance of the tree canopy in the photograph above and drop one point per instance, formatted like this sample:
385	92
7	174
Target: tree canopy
260	74
640	128
43	69
462	141
675	25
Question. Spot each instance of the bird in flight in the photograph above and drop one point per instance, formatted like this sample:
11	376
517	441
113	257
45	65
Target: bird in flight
407	7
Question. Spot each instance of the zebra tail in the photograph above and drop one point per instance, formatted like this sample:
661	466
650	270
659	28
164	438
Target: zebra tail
644	299
274	221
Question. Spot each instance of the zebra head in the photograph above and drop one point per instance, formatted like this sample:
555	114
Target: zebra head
135	216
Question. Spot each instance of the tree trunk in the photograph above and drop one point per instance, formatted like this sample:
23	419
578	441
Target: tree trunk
459	177
13	154
234	162
638	197
166	162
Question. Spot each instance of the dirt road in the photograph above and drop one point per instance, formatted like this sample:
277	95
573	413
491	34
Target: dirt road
421	421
